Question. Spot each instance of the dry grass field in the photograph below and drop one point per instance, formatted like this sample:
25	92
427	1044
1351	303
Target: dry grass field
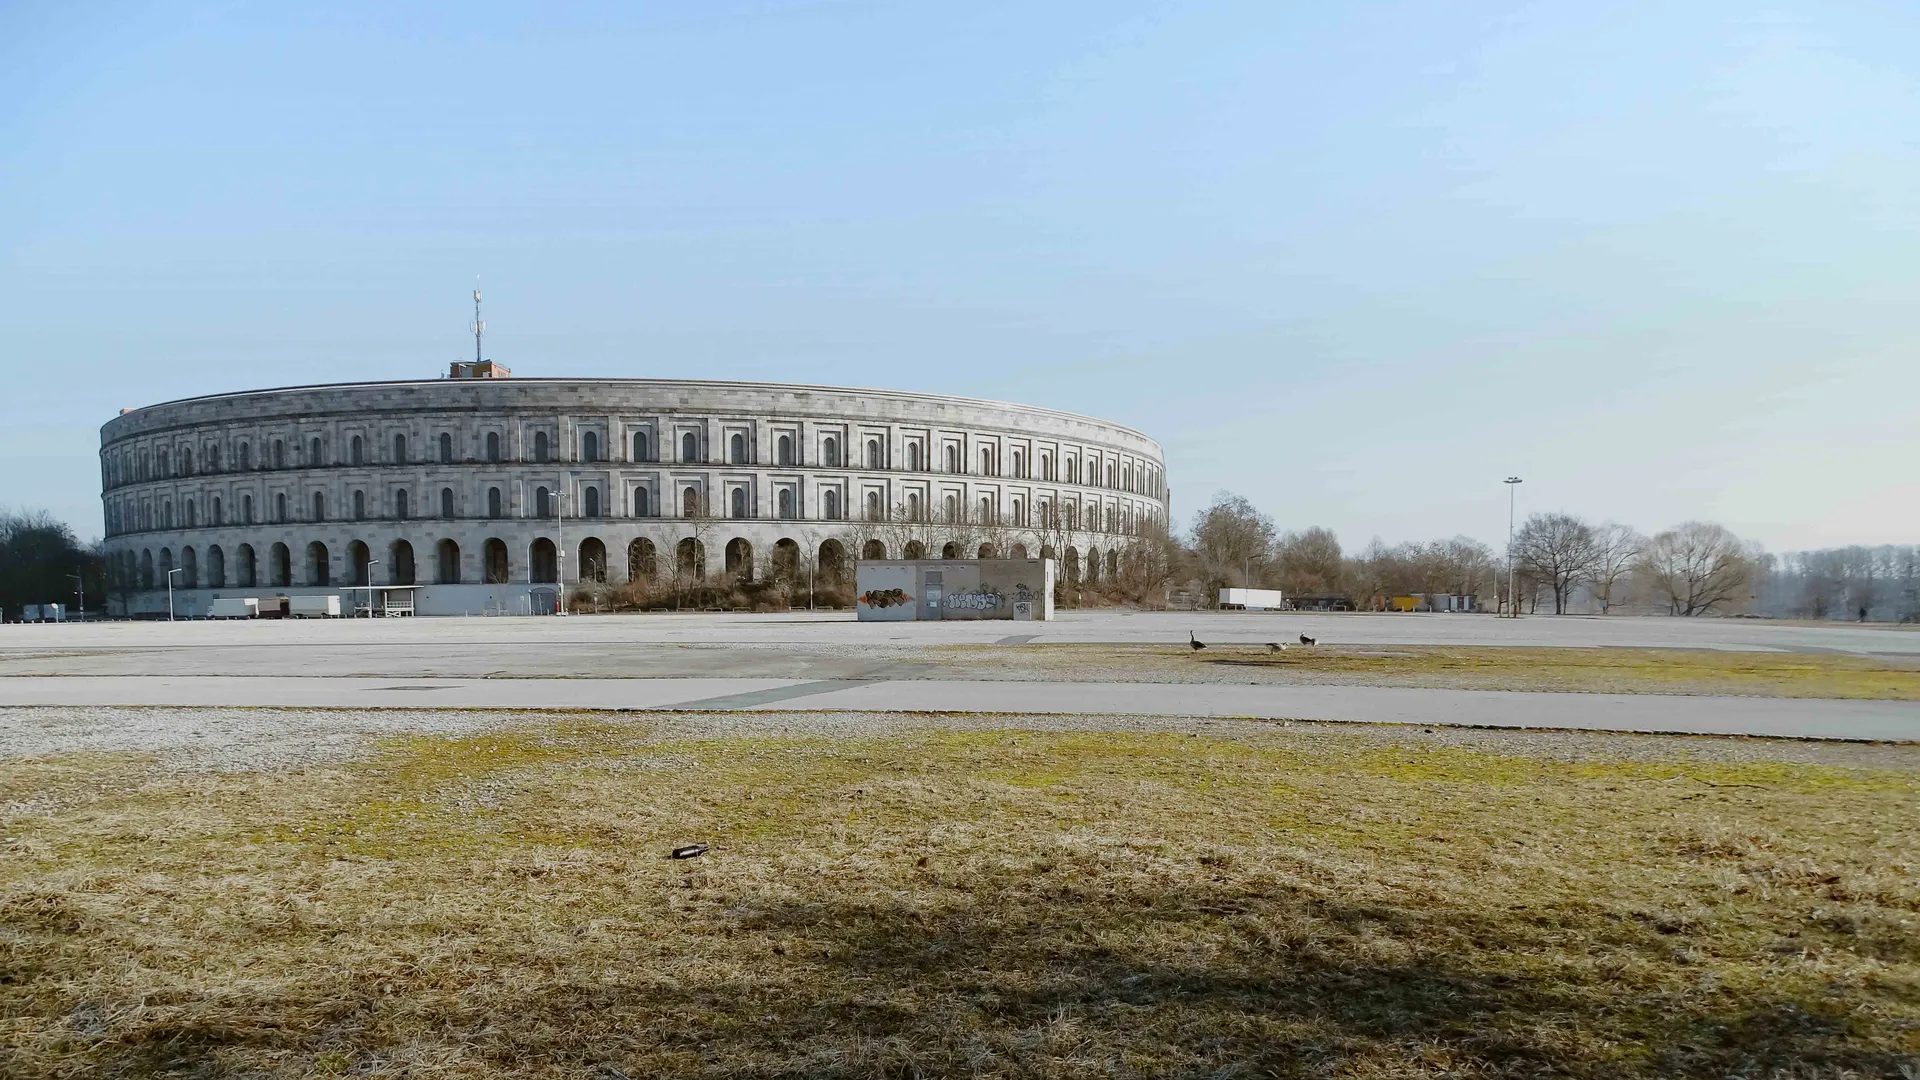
1463	667
1302	901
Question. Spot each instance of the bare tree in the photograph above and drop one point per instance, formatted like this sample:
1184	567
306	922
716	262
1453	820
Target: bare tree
1559	550
1308	563
1148	564
1227	535
1616	549
1698	566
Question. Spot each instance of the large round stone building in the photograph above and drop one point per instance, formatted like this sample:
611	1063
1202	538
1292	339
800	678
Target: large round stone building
488	492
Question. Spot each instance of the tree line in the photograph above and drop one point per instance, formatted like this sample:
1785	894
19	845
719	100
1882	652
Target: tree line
39	559
1559	561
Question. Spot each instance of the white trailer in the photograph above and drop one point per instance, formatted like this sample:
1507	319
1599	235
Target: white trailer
1252	600
315	607
235	607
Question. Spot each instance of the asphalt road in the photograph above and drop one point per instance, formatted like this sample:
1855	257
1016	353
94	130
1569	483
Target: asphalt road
825	645
1789	717
830	662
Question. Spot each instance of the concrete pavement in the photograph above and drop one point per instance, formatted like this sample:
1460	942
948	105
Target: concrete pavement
1788	717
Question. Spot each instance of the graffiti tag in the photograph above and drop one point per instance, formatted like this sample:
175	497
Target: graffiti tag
983	600
885	598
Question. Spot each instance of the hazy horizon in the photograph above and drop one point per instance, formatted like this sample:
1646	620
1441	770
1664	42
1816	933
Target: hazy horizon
1356	264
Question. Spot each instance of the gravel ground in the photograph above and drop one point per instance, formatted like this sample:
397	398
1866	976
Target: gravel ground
233	739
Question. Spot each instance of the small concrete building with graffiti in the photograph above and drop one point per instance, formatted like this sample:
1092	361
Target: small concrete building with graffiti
903	591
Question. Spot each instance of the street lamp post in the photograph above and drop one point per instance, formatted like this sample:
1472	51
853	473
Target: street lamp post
79	593
1513	597
371	563
170	573
560	550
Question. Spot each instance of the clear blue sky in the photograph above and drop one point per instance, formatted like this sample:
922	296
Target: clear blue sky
1356	261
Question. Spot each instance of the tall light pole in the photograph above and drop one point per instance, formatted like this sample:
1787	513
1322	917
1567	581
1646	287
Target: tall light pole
371	563
560	549
170	573
1513	597
79	592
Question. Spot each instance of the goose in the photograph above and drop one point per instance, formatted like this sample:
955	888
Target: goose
1195	643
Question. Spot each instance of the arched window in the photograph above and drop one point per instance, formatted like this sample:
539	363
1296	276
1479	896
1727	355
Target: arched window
359	507
319	506
446	502
737	449
986	461
786	502
400	504
640	502
493	562
689	447
873	453
279	454
400	563
446	448
540	447
739	501
493	502
590	498
913	506
213	457
246	568
913	456
590	447
593	559
163	463
359	450
873	506
640	560
952	509
314	456
166	514
246	509
953	458
830	452
186	461
191	522
543	563
400	449
448	560
640	446
986	510
785	451
830	504
1019	464
493	446
219	518
689	502
541	507
246	455
216	567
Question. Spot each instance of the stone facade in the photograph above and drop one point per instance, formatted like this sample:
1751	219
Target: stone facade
489	492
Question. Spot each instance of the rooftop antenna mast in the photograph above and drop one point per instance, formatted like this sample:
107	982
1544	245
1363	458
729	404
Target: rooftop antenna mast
478	326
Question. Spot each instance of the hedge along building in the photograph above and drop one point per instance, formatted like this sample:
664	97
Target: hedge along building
488	491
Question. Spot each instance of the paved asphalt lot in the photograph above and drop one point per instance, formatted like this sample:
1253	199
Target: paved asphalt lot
824	662
1700	715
